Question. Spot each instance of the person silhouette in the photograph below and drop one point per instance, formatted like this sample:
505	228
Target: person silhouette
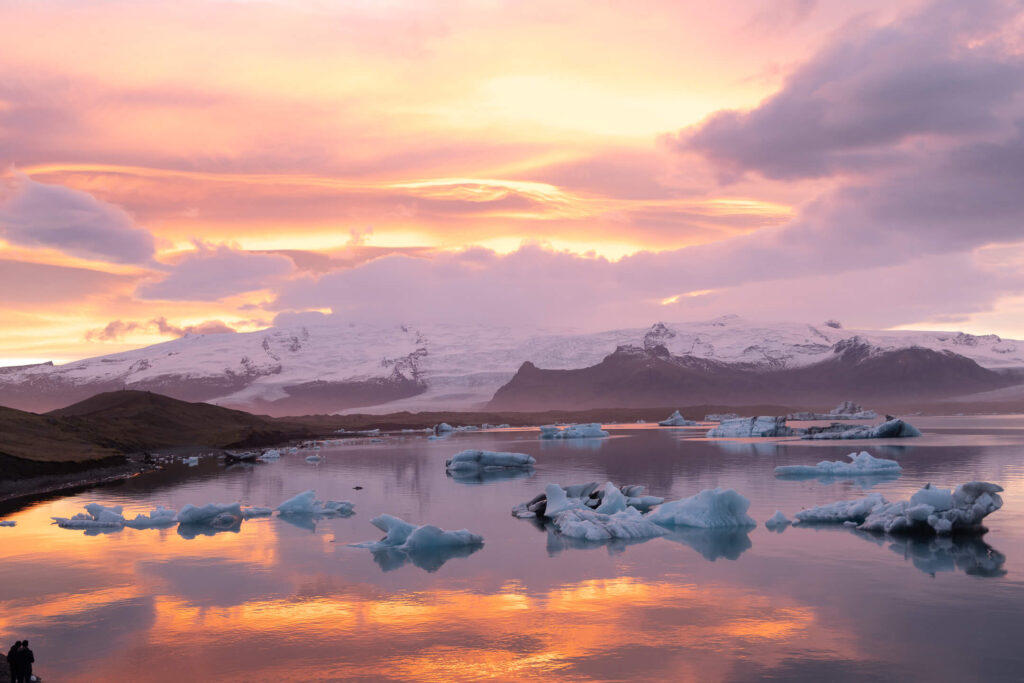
12	659
23	659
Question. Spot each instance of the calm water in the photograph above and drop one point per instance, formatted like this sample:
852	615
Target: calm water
281	602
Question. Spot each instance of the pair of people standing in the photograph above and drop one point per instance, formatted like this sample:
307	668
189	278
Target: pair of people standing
20	660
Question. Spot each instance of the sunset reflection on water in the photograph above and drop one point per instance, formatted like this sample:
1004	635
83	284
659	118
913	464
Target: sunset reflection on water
278	602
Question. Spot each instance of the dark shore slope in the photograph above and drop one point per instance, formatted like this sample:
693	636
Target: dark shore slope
634	376
101	431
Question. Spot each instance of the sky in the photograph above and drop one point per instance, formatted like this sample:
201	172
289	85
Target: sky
219	166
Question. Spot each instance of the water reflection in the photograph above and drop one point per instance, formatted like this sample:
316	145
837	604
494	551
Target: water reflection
863	482
485	476
429	559
713	544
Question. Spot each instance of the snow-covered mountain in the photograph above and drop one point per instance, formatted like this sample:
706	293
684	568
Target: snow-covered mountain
338	367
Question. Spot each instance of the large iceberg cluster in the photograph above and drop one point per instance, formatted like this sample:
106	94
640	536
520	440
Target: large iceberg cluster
929	511
591	514
677	420
861	464
764	425
475	460
847	410
892	429
200	519
581	431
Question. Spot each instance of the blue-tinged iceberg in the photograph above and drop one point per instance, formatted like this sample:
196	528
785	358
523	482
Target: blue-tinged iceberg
861	464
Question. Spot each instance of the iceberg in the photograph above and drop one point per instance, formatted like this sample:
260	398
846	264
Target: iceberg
8	522
777	522
593	525
212	515
313	458
929	511
443	428
556	499
270	455
861	464
676	420
581	431
721	417
847	410
841	512
255	511
306	504
473	460
761	426
709	509
192	461
96	516
427	546
893	429
157	518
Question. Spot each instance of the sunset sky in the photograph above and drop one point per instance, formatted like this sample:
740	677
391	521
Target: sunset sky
206	166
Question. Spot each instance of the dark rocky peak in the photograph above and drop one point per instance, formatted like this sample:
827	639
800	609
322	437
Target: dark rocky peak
658	335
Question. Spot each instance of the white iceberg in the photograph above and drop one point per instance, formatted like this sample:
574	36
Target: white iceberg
313	458
893	429
762	426
929	511
556	499
256	511
192	461
399	534
306	504
479	460
777	522
443	428
581	431
847	410
96	516
594	525
709	509
157	518
861	465
272	454
676	420
8	522
213	515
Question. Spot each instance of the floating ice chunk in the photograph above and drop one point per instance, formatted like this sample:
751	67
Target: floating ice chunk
847	410
272	454
255	511
720	417
214	515
313	458
157	518
777	522
559	501
612	501
96	516
764	425
581	431
711	508
841	511
443	428
676	420
593	525
932	510
306	503
477	460
893	429
401	535
860	465
8	522
192	461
